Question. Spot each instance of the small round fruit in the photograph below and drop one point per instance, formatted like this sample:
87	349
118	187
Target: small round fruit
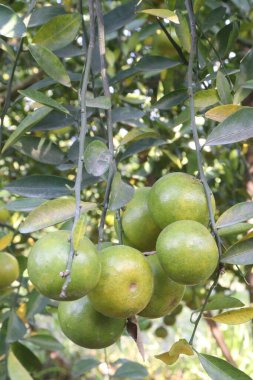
4	213
177	310
48	258
9	269
178	196
187	252
166	295
82	324
169	320
138	225
125	285
161	332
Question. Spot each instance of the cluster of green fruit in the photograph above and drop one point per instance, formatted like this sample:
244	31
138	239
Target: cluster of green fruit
120	281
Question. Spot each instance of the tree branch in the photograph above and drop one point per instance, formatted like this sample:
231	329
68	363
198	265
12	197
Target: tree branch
83	130
189	7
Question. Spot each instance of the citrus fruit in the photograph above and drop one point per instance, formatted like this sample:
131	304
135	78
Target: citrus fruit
169	320
82	324
161	332
125	285
138	225
4	213
187	252
178	196
48	258
9	269
166	295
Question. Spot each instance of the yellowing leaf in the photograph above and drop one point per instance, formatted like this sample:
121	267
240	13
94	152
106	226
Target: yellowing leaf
6	240
178	348
79	231
234	317
162	13
220	113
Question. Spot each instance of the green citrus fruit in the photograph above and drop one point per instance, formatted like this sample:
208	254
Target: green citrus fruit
82	324
178	196
177	310
169	320
161	332
48	258
4	213
187	252
9	269
137	223
125	285
166	295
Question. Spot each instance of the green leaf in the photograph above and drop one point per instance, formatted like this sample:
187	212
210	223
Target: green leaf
236	214
26	124
45	342
162	13
53	212
11	24
57	120
139	134
178	348
79	231
126	113
97	158
26	357
41	186
237	127
50	63
140	146
172	99
155	62
82	366
220	113
205	98
43	99
223	302
16	370
248	84
131	370
234	317
59	31
40	149
235	229
183	32
121	193
219	369
36	304
226	37
103	102
42	15
223	88
25	204
240	253
7	48
16	328
120	16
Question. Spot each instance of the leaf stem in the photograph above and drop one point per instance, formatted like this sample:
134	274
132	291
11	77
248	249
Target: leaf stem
83	130
106	89
190	71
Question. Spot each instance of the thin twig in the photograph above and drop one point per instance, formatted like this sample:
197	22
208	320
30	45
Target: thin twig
83	130
120	229
189	7
106	89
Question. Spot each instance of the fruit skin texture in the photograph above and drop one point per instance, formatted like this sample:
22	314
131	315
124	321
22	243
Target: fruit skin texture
125	285
138	225
9	269
166	295
178	196
187	252
48	258
82	324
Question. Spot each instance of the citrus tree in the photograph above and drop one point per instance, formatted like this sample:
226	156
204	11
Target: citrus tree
126	165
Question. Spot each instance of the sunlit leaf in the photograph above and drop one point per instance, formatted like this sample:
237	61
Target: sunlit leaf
220	113
59	31
221	301
50	63
26	124
240	253
11	25
52	212
183	31
16	370
121	193
223	88
103	102
97	158
79	231
139	134
235	128
178	348
6	240
205	98
234	317
219	369
43	99
162	13
238	213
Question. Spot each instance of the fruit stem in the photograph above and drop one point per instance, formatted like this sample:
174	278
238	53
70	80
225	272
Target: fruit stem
190	71
106	89
83	130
